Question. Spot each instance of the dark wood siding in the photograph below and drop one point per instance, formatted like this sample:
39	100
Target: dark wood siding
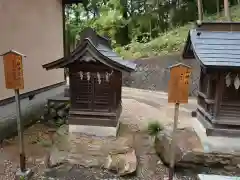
102	94
92	95
81	100
229	110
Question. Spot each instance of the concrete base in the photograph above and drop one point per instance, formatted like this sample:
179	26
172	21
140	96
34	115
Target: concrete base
216	177
219	144
24	175
100	131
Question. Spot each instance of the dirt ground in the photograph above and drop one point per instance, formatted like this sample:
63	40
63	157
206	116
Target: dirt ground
139	108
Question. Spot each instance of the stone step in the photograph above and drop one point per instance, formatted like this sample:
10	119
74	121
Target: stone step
216	177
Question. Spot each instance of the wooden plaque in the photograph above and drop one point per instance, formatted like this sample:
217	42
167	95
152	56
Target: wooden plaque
13	70
178	85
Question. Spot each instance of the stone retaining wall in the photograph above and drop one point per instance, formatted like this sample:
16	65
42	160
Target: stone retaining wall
56	113
153	73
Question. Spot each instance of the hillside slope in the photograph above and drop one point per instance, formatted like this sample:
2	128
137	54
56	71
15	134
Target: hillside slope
169	42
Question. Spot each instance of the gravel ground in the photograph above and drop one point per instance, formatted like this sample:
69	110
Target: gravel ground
136	115
69	172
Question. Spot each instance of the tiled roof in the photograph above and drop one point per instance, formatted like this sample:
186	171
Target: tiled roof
214	48
100	46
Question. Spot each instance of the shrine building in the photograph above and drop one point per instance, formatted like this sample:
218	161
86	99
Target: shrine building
216	47
95	75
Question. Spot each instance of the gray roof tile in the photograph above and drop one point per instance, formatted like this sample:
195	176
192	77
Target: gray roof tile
101	46
214	48
106	51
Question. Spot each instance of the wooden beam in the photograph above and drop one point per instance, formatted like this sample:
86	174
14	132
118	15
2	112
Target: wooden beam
72	1
206	114
228	122
92	121
208	85
64	35
219	93
207	100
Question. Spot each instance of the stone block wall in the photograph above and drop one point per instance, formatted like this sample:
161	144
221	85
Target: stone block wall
153	73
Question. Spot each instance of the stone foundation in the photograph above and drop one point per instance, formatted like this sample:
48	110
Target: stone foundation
220	144
100	131
113	153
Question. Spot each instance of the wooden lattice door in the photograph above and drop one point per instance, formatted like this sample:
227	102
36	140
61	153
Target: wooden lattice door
102	94
91	94
81	92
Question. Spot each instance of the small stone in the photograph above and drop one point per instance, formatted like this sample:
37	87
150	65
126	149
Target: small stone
159	162
61	113
124	163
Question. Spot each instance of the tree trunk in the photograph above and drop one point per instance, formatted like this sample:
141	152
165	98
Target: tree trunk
226	10
200	10
218	8
124	30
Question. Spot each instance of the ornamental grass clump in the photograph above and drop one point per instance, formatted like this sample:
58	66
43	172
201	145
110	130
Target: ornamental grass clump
154	128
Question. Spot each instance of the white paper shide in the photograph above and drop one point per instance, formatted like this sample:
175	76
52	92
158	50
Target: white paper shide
98	78
236	82
97	75
228	80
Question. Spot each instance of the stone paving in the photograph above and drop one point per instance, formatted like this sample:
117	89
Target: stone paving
149	106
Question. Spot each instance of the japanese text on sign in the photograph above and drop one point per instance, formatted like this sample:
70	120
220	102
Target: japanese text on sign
179	84
13	69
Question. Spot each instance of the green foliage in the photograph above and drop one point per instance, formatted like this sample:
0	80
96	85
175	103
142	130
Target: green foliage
169	42
140	28
154	128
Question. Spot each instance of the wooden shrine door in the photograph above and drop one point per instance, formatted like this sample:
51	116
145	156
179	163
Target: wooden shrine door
92	94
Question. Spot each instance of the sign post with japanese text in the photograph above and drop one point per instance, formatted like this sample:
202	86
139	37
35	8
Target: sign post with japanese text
13	71
178	92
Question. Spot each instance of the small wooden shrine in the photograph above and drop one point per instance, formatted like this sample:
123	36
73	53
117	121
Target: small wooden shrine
216	46
95	74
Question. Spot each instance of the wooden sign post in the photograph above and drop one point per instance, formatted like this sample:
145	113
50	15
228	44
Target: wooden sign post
178	92
13	70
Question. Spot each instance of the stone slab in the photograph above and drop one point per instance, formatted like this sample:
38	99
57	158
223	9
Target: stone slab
218	144
99	131
216	177
26	175
85	150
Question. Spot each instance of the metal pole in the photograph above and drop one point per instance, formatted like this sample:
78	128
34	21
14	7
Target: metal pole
173	142
20	132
